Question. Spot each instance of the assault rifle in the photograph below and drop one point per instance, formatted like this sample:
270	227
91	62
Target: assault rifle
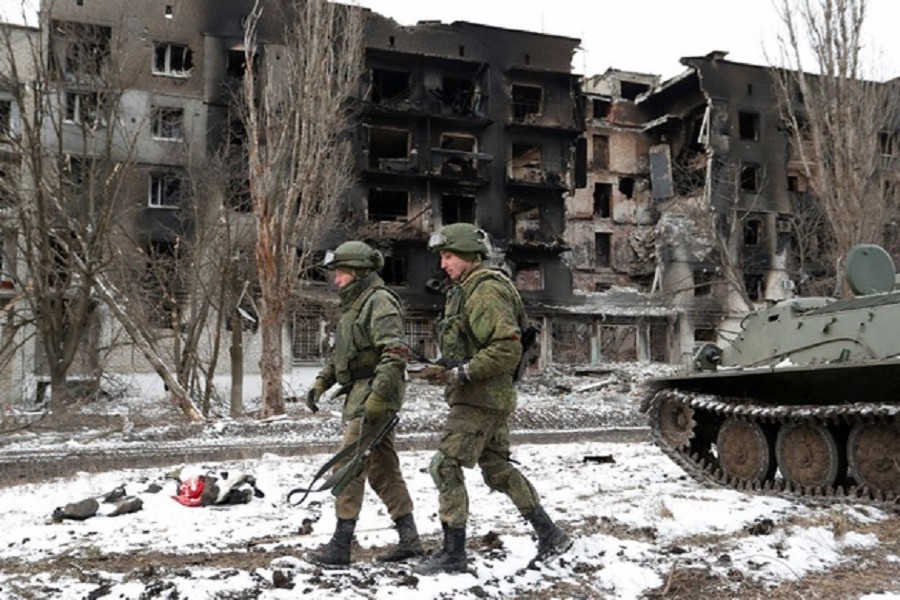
360	452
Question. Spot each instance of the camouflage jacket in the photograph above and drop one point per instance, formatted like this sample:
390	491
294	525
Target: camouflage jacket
370	351
481	326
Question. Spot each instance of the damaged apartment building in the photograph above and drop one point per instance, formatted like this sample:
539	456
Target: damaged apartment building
681	172
469	123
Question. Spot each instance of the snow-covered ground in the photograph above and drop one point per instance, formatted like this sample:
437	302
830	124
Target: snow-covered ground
640	526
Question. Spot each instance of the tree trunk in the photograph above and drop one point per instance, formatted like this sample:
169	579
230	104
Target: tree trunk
271	365
237	367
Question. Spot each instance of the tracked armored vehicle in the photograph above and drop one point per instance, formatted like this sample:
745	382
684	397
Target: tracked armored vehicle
805	401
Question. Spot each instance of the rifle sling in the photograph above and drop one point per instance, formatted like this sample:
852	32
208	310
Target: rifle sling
368	439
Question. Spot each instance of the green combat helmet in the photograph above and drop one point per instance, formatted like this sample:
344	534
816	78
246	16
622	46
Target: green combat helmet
459	237
353	255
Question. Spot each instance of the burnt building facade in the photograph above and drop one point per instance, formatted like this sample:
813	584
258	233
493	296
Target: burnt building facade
466	123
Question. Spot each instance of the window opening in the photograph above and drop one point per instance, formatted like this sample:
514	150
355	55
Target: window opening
602	200
526	101
174	60
752	232
748	126
527	163
602	250
631	90
389	86
601	108
420	334
307	338
394	270
168	123
388	149
750	178
388	205
456	208
82	108
165	190
626	186
529	276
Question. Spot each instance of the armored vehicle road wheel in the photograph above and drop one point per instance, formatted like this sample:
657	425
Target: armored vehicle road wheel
746	451
676	422
808	455
873	454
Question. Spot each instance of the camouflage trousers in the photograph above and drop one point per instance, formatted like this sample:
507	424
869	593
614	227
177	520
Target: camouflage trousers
474	435
382	471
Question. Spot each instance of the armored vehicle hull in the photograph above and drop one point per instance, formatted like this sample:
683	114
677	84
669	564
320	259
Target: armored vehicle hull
804	401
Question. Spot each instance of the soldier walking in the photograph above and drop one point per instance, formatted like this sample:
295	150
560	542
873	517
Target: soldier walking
369	361
480	342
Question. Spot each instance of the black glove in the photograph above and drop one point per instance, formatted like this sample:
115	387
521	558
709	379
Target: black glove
314	393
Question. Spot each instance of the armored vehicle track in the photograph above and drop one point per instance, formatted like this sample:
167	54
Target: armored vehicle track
816	453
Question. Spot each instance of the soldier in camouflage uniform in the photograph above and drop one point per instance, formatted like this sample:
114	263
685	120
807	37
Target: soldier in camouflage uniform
369	361
480	341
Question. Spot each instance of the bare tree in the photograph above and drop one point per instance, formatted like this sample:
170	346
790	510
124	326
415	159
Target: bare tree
64	190
841	122
296	94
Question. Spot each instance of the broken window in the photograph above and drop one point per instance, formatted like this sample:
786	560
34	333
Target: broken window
527	225
5	118
602	250
626	186
618	343
167	123
748	125
632	89
388	205
602	200
236	60
601	108
570	341
394	270
457	208
459	94
307	337
750	178
455	162
389	86
421	338
529	276
389	149
797	181
83	108
526	102
527	163
752	232
80	49
165	190
173	60
600	147
705	334
702	281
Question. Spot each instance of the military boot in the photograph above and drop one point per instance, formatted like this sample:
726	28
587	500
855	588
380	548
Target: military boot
337	551
409	545
552	541
451	558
